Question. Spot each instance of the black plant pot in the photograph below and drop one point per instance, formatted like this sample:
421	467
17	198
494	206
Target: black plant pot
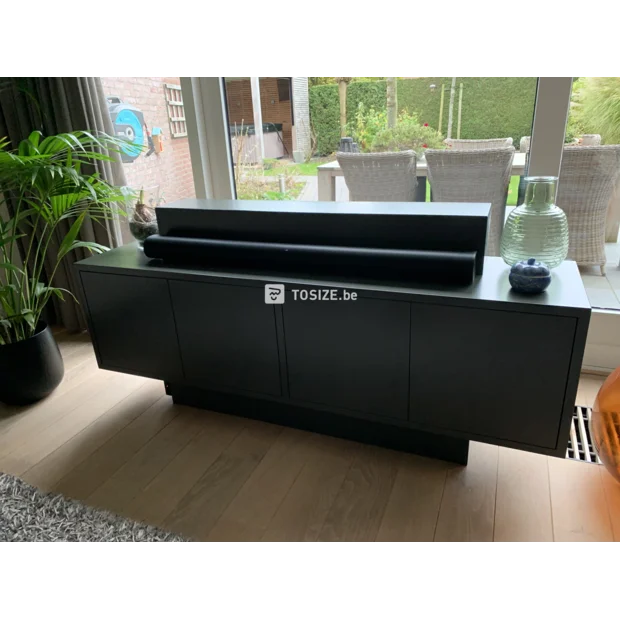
30	369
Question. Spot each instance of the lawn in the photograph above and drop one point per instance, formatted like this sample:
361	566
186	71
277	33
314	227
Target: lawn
307	169
274	167
252	188
513	191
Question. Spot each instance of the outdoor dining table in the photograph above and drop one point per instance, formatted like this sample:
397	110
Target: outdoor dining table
327	174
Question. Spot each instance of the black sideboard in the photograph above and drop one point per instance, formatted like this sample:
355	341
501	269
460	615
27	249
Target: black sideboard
424	369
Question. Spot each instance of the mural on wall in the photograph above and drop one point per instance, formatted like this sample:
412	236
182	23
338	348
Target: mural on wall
129	124
148	111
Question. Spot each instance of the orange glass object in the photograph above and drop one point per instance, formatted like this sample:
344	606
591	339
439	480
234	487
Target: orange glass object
606	423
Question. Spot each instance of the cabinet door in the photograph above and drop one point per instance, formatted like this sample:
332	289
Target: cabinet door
490	373
133	324
349	354
227	336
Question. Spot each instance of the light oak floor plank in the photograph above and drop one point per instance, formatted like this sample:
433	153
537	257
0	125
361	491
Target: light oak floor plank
611	488
201	507
72	344
29	453
77	357
413	507
303	511
91	473
122	487
580	512
248	515
75	375
48	472
358	509
29	421
522	507
161	496
467	510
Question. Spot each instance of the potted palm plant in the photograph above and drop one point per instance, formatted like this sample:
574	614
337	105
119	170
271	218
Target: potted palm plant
47	191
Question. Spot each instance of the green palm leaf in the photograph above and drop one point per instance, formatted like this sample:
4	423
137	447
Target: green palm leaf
44	178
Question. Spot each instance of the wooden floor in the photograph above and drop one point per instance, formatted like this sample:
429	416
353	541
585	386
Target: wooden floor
117	442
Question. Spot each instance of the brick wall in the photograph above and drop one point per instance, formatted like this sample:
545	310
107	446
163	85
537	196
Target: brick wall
171	169
239	98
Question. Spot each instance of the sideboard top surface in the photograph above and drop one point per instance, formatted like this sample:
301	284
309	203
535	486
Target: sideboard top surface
448	209
565	295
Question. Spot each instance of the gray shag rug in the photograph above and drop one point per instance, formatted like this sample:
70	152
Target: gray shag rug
29	515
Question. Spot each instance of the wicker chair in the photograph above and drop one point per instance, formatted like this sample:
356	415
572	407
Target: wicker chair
380	177
474	176
590	139
588	176
478	145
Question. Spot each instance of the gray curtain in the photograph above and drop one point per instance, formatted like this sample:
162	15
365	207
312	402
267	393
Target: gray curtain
56	105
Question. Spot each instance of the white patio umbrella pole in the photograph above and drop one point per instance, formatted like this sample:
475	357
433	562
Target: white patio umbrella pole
458	119
451	107
258	117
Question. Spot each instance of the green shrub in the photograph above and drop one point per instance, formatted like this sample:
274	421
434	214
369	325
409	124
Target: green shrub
325	109
600	108
501	107
408	134
325	117
575	126
492	107
368	123
371	94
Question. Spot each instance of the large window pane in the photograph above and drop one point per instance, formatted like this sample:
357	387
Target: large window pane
149	112
302	128
589	190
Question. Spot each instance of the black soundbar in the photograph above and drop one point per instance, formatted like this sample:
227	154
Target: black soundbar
430	227
407	265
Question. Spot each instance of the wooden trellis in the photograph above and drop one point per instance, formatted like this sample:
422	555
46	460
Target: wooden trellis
176	111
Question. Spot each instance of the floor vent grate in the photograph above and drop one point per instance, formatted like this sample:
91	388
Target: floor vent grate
580	447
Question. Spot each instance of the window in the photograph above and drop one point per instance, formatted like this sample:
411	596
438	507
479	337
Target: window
176	112
284	89
589	189
148	111
291	154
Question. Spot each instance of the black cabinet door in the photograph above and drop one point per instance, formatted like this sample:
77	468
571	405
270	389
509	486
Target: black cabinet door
349	354
490	373
133	324
227	336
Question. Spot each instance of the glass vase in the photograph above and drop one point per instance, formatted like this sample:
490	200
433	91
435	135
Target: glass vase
606	424
537	228
142	222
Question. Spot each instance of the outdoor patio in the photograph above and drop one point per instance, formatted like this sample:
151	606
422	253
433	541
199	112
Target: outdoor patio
311	191
604	292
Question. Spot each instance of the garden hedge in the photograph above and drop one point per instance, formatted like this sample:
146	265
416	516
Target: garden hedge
325	117
492	107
